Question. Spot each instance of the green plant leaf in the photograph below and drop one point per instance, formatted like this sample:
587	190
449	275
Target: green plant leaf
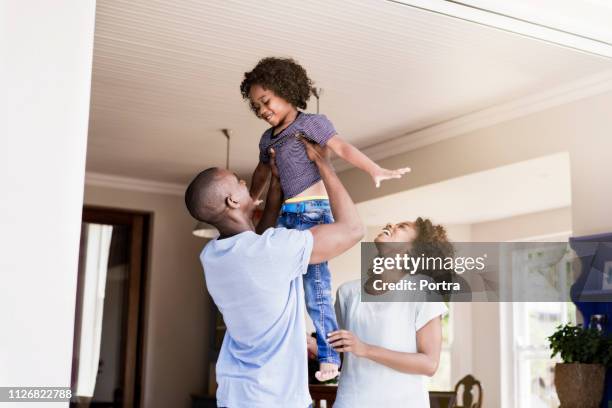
578	345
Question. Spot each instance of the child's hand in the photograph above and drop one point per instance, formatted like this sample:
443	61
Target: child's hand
381	174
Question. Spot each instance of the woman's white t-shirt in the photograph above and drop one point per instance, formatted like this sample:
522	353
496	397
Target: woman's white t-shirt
392	325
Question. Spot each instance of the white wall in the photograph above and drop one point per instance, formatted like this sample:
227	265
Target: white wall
46	53
177	308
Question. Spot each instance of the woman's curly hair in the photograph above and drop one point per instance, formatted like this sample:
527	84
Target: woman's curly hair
283	76
431	241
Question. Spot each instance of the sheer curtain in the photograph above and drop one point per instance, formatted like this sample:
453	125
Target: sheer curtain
96	265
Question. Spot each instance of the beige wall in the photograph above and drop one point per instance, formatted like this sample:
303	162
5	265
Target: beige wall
177	306
529	226
583	128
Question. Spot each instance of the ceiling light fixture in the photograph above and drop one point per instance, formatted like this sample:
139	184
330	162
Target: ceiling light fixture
317	92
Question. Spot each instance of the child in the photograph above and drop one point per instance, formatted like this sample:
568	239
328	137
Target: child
276	89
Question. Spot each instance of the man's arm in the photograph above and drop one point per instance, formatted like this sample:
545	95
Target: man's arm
258	181
274	199
331	240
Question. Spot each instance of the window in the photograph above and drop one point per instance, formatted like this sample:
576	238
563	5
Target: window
529	367
533	367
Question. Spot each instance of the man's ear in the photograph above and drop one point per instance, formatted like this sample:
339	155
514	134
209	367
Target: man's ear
231	203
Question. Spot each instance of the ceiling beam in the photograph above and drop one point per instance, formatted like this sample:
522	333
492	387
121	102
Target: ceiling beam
493	19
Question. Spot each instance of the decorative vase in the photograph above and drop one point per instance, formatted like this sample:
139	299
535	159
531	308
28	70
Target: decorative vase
579	385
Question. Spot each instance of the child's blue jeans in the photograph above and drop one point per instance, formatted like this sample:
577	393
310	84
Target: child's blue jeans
317	281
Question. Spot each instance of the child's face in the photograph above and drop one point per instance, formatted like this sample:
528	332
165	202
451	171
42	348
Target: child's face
268	106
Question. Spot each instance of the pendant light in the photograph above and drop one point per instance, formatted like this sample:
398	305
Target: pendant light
203	229
317	92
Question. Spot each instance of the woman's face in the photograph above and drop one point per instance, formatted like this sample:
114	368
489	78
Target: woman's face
401	234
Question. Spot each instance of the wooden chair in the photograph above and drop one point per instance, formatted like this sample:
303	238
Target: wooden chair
442	399
320	393
467	397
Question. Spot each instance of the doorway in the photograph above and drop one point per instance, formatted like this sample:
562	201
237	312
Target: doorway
108	335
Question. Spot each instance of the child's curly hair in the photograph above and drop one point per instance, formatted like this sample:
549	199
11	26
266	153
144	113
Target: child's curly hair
283	76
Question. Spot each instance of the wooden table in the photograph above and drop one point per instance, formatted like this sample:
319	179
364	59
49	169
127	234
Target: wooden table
323	392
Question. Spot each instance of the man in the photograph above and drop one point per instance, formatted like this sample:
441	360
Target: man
254	276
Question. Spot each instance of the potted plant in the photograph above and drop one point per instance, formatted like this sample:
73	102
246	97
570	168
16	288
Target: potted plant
586	354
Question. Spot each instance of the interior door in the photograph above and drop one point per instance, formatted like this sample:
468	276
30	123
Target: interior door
107	350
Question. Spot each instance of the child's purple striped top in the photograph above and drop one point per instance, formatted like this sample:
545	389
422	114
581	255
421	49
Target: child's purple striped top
296	172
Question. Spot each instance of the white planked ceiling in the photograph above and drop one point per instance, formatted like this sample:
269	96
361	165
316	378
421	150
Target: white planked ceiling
166	75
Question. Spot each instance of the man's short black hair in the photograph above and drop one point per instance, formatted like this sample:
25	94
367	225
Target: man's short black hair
204	196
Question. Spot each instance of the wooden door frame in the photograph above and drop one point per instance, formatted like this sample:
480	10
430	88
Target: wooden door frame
132	359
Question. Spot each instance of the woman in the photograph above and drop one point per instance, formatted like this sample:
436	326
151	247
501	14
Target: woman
390	346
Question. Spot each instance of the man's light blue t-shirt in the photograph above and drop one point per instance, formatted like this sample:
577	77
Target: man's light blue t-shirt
256	282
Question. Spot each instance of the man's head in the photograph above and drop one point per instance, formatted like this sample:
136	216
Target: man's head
219	197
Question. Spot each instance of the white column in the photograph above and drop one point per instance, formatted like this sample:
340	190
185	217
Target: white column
45	78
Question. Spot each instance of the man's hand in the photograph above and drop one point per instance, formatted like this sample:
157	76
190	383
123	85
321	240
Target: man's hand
273	163
380	174
346	341
314	151
274	170
311	347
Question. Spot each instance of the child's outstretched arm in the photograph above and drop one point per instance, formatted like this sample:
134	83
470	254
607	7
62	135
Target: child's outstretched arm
351	154
259	179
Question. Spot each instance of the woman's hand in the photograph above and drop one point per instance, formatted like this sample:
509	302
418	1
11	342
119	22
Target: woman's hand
380	174
346	341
